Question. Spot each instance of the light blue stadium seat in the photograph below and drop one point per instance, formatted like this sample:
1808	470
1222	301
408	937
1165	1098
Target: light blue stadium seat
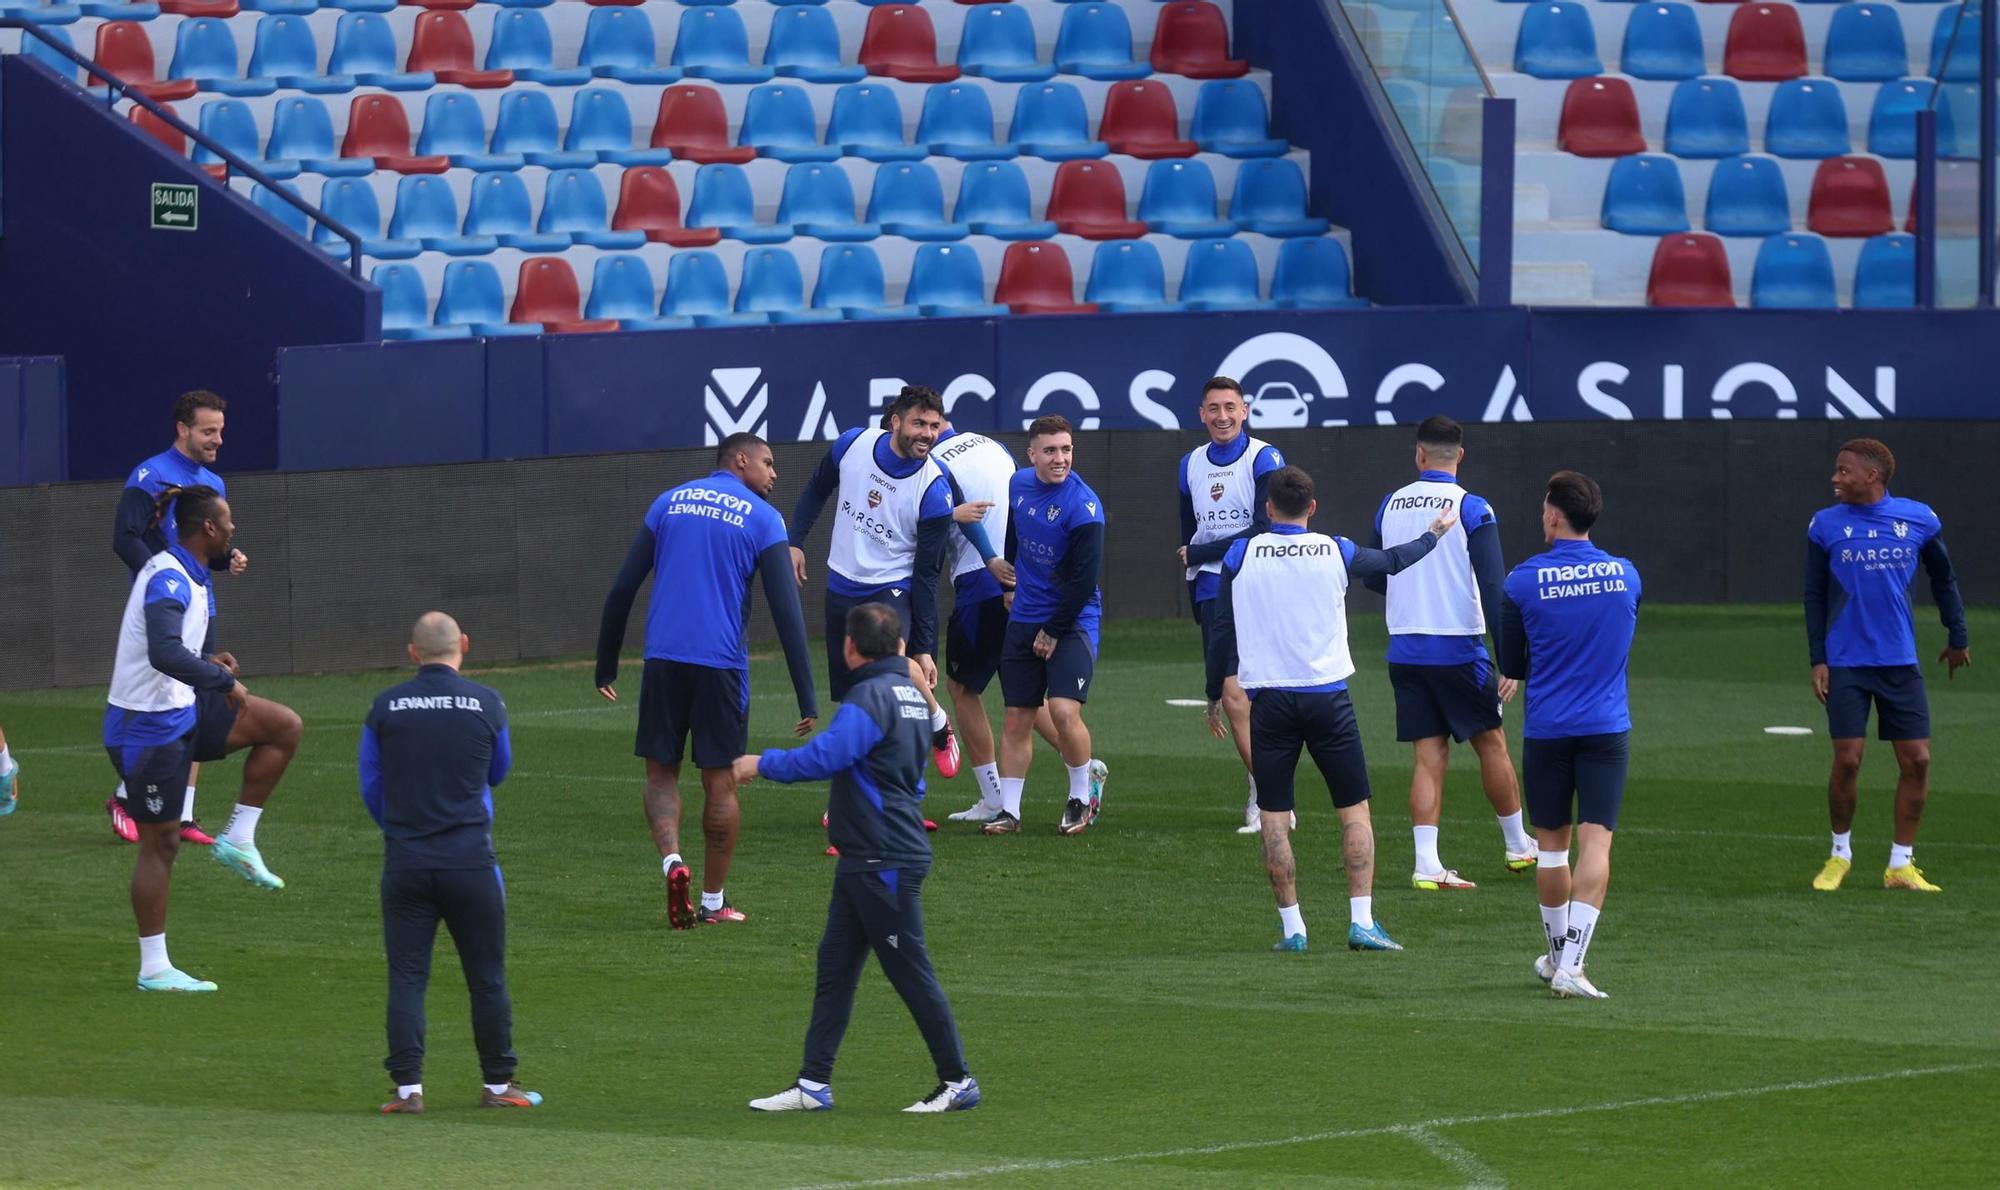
908	201
406	308
698	291
772	285
1662	41
850	283
1892	122
499	207
110	10
867	122
302	132
521	43
713	45
574	205
1220	275
618	43
1179	200
600	123
205	51
527	125
998	42
454	127
1095	41
1556	41
1958	39
1793	272
471	296
283	48
1231	118
1313	274
374	6
957	121
1705	118
1747	197
621	287
946	280
1644	196
230	123
33	48
351	201
1865	44
277	208
778	121
1885	274
805	45
364	46
427	212
993	201
818	201
722	199
1051	122
1807	120
1127	276
1270	198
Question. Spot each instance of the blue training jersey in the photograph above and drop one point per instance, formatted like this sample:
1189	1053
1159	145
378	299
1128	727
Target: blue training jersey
1044	518
707	534
172	469
1871	553
1566	626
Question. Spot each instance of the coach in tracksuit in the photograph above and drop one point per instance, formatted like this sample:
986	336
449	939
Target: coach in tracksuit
874	752
432	750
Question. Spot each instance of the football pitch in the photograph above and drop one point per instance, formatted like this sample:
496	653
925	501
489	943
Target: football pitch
1116	992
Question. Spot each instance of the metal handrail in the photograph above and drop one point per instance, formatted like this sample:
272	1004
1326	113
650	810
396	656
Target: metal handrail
116	87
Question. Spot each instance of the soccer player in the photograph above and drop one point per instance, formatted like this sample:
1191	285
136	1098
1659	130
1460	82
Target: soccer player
1055	539
1223	492
10	780
873	752
432	749
704	540
1861	557
135	538
1280	621
170	706
1446	687
1566	621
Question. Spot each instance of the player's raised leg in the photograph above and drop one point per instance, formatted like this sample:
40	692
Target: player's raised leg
271	731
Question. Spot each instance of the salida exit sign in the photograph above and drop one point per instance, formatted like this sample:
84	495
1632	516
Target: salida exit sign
176	206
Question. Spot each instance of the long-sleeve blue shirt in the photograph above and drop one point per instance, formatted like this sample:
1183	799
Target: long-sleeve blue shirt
1567	617
1055	538
432	749
1860	562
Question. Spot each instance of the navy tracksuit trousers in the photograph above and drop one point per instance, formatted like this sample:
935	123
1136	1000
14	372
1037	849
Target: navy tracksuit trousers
472	903
882	911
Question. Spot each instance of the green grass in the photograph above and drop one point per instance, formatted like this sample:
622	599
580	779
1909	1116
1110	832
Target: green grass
1114	991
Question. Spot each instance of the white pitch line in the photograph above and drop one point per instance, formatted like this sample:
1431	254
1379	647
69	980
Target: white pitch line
1477	1174
1410	1129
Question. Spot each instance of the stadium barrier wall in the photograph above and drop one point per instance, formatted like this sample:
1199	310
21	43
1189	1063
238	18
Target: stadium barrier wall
31	421
341	562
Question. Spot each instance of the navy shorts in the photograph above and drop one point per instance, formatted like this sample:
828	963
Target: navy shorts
972	642
1025	679
155	776
1284	721
1204	614
679	698
837	607
1579	778
1460	701
1903	708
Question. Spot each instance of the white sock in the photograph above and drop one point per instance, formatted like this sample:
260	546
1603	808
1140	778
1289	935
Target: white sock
1901	856
810	1085
1291	921
711	900
6	761
1079	782
1361	911
1555	927
187	805
119	792
1576	940
988	776
1253	788
938	720
242	828
496	1088
667	864
153	955
1010	794
1843	844
405	1090
1427	849
1512	832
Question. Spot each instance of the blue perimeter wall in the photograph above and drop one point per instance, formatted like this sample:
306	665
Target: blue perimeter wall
31	421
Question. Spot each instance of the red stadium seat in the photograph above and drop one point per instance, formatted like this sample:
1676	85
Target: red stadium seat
442	45
692	124
1690	269
899	42
1035	278
378	127
200	8
1140	121
1088	200
649	201
1192	39
460	5
547	293
124	49
170	136
1850	197
1600	118
1766	44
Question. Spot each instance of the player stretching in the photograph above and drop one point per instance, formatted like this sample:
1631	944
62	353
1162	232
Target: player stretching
171	707
1280	621
1446	688
1055	539
136	537
1861	557
1222	501
1566	621
705	540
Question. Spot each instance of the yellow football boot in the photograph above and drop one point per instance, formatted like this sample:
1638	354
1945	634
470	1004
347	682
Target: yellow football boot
1832	874
1907	876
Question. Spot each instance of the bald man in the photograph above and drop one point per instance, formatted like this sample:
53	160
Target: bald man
432	750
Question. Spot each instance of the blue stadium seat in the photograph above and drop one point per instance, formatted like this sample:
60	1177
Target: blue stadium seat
908	201
110	10
1865	44
351	201
521	43
722	200
778	122
454	127
1220	275
406	312
618	44
527	125
998	42
957	121
1051	122
1885	274
1705	118
205	51
230	123
805	45
1556	41
1270	198
713	45
1312	274
33	48
945	279
621	287
427	212
1662	41
993	201
1807	120
302	131
574	205
867	122
1747	197
818	201
471	296
283	7
499	207
1095	41
1793	272
277	208
698	291
364	46
773	286
371	6
600	123
1179	200
850	283
1892	122
1644	196
1126	276
283	49
1958	39
1231	118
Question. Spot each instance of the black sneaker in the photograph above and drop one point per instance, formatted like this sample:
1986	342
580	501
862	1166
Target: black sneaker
1076	816
1005	824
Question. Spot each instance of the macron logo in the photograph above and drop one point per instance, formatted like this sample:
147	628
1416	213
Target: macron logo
893	941
144	472
1080	682
173	586
1579	572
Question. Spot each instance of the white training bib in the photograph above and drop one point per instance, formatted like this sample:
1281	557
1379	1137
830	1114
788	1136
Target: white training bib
1289	600
982	469
135	684
1224	496
1438	595
875	535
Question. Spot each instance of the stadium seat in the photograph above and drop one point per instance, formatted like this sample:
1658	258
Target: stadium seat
1556	41
527	125
546	293
1128	277
406	307
427	212
1035	278
34	48
168	136
957	122
908	201
126	52
454	5
618	43
1747	197
1220	275
867	122
267	201
373	6
722	199
1705	118
1231	118
993	201
805	45
778	122
1140	121
442	46
499	207
1807	119
1864	43
378	128
1689	269
621	288
470	296
364	48
283	49
773	286
818	201
1644	197
1270	199
649	201
1095	41
600	123
1885	274
693	126
1766	44
698	291
1892	122
521	44
1050	122
573	205
1312	274
945	279
351	201
1954	44
712	44
1088	199
1662	41
229	123
1600	118
205	52
1179	200
1850	197
1192	39
302	133
998	43
1793	272
850	284
900	43
113	10
454	127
